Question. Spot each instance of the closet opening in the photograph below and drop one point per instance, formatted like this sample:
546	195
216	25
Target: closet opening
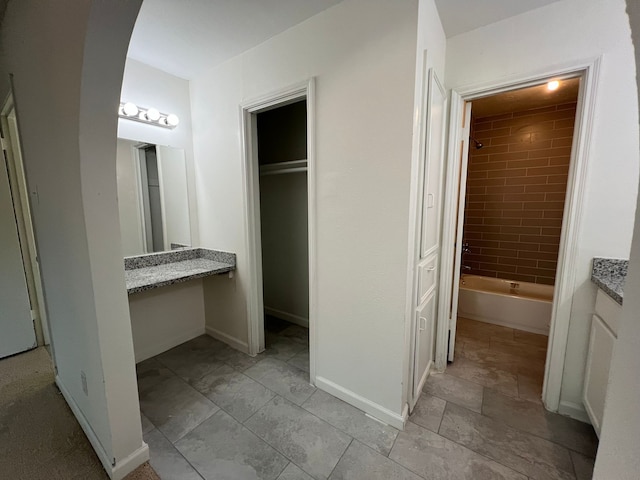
279	174
282	161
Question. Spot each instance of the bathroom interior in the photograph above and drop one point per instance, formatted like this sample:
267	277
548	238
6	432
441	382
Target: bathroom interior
518	165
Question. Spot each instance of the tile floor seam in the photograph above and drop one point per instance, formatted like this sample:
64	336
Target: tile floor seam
338	462
285	455
178	451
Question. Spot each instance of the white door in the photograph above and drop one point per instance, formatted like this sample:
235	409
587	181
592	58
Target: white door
453	211
428	248
17	332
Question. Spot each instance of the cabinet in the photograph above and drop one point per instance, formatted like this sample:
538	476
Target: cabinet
424	338
604	328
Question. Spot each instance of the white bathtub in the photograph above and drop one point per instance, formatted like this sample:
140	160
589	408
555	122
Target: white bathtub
522	305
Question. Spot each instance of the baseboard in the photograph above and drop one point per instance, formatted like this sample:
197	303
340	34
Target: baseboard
228	339
127	465
289	317
517	326
378	411
142	354
116	471
574	410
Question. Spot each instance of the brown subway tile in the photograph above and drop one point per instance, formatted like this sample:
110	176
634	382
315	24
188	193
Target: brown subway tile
554	161
475	159
533	111
545	280
494	197
540	239
533	127
522	230
523	180
552	188
518	172
504	220
490	149
487	135
485	182
523	213
498	267
565	123
542	222
532	247
504	237
535	271
536	162
504	157
503	205
524	197
506	189
557	179
499	252
517	261
522	278
563	142
529	146
491	165
476	190
552	231
473	174
551	248
568	106
546	206
553	214
480	127
485	273
538	255
547	265
557	170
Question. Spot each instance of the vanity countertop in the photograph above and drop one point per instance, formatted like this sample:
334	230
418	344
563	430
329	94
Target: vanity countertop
609	274
144	272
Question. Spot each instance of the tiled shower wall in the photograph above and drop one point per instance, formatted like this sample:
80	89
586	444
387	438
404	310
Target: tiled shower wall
516	187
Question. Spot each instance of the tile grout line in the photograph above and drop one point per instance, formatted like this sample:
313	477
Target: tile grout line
336	465
178	451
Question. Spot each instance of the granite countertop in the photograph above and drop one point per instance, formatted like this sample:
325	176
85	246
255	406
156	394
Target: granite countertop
609	274
145	272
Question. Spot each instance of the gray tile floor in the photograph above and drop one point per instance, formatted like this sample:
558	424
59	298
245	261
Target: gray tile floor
210	412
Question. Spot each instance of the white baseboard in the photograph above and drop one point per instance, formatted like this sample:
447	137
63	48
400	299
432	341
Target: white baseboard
289	317
228	339
149	351
127	465
526	328
116	471
378	411
574	410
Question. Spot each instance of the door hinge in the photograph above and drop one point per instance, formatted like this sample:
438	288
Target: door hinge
3	143
34	317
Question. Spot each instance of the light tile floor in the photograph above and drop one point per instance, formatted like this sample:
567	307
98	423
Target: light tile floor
210	412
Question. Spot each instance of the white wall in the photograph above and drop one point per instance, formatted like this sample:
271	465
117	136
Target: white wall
165	317
285	246
619	439
566	31
149	87
129	207
70	163
362	54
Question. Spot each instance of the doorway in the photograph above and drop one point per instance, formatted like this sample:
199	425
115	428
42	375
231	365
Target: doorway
279	175
461	143
23	320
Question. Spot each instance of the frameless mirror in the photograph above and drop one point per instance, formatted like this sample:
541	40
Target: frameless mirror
152	198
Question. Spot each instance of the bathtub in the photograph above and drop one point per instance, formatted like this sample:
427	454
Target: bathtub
522	305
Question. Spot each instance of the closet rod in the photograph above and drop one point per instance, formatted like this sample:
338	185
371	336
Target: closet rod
282	171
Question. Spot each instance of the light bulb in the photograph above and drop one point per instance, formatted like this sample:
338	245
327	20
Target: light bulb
163	121
130	109
173	120
553	85
153	114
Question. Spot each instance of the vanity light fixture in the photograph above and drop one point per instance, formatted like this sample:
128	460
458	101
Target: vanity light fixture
151	116
553	85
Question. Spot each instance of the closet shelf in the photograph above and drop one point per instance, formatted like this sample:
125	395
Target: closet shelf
284	167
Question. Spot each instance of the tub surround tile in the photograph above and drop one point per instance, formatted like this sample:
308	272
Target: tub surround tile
610	275
154	270
530	455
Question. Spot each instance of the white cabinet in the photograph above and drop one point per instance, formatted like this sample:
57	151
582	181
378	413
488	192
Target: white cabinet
604	327
424	338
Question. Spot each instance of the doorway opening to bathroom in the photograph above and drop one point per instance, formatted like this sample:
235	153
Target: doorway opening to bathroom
514	187
278	132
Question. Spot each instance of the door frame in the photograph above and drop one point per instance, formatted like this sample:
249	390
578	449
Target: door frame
26	233
589	71
251	194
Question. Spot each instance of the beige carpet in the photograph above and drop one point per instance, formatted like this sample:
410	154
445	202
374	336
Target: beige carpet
39	436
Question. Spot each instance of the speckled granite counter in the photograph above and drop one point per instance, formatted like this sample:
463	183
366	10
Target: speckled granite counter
144	272
609	274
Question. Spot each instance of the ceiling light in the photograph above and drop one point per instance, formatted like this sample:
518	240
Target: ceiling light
130	109
553	85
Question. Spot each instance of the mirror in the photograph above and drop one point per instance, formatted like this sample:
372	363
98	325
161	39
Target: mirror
152	198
